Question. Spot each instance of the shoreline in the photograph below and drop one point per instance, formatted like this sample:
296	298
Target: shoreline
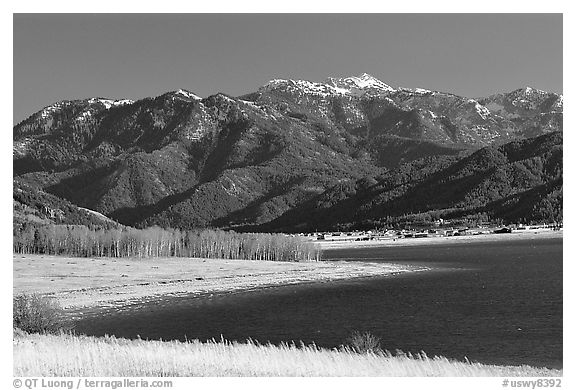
442	240
87	286
104	283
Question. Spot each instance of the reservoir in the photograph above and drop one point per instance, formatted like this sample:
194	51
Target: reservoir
492	302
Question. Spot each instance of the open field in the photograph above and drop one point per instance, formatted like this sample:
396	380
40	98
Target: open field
89	282
65	355
516	235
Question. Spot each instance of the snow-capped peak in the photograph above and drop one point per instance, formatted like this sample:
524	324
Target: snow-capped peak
366	81
359	85
353	85
187	94
528	91
110	102
307	87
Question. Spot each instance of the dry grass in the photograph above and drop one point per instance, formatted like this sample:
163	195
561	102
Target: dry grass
66	355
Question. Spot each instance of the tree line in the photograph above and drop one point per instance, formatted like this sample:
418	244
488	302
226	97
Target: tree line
82	241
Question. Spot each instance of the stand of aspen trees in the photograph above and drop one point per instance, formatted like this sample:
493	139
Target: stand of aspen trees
82	241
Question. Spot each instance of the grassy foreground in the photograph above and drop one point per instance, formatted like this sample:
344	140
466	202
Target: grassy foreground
69	355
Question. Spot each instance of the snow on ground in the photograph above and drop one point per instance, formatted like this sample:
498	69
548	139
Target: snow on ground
108	103
188	94
351	86
480	109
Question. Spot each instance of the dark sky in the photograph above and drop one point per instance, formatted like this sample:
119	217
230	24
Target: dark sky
73	56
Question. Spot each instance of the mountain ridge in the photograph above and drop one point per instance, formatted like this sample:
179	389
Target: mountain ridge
181	160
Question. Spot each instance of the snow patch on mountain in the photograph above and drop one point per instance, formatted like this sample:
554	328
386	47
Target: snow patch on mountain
480	109
109	103
50	110
187	94
358	85
365	81
304	87
84	116
20	147
96	214
559	104
422	91
348	86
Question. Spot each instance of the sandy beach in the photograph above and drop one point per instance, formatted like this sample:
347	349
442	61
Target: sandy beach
100	282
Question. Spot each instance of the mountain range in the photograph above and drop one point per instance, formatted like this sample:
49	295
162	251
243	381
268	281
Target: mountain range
292	155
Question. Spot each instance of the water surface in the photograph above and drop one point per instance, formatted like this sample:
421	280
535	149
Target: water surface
492	302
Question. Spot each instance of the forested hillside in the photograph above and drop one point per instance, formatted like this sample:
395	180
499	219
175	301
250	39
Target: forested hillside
255	162
517	182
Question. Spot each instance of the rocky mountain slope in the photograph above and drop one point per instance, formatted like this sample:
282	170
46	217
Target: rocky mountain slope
185	161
